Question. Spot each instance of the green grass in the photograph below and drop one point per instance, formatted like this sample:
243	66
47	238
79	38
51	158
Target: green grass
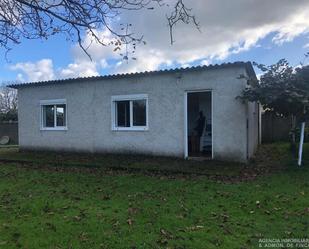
42	206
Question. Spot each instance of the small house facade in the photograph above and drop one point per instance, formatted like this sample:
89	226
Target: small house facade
192	112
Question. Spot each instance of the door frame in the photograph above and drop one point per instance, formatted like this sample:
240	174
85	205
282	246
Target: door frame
186	152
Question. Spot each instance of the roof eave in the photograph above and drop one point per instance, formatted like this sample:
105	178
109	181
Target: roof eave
248	66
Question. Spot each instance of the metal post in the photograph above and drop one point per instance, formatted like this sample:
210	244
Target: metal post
301	143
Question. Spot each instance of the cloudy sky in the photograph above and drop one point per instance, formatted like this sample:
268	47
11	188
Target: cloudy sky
239	30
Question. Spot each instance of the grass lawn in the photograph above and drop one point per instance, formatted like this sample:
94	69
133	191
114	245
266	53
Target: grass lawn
43	205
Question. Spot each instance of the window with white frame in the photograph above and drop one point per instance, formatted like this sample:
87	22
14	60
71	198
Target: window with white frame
130	112
53	114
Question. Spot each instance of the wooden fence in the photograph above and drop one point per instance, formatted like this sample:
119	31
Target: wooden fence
9	129
274	128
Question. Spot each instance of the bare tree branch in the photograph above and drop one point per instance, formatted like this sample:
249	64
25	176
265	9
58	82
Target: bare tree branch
41	19
180	14
8	100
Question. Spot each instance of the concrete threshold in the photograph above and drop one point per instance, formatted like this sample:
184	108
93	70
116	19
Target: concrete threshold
199	158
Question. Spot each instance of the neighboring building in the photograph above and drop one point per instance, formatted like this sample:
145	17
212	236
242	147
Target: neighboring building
153	113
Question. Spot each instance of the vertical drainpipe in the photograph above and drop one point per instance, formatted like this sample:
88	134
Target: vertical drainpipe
260	123
247	131
247	128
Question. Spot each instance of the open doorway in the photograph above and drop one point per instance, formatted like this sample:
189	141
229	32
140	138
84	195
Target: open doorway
199	124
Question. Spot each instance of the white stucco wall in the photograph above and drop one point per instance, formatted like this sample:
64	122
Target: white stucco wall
89	114
253	127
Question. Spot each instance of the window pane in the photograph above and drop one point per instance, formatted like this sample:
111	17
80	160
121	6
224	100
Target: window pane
60	114
123	113
139	112
48	116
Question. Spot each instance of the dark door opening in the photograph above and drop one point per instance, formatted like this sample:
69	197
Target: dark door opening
199	114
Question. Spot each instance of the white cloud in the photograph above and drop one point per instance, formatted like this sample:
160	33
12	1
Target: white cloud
20	77
103	63
185	65
43	70
35	71
79	69
298	24
227	27
205	62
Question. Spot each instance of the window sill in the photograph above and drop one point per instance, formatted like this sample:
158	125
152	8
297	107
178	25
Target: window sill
54	129
130	129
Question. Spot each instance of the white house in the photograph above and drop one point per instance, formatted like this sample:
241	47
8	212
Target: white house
153	113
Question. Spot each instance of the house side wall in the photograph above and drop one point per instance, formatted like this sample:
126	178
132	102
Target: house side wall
89	114
253	128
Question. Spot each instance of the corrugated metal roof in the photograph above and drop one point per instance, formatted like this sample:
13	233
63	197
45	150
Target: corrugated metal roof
247	65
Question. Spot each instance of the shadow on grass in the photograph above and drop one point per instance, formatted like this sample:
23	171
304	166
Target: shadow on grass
268	159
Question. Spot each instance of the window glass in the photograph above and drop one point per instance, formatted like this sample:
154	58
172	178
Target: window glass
123	113
139	112
60	115
48	116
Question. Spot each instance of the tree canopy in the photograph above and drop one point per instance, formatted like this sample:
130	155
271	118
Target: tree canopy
8	104
281	88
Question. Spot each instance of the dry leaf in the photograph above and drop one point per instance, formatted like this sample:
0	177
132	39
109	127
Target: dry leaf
130	221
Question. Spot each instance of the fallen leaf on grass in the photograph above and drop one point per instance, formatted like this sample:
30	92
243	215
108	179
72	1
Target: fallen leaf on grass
83	237
99	215
77	218
166	234
302	212
184	208
116	224
132	210
180	216
195	228
257	235
224	217
163	241
130	222
213	214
